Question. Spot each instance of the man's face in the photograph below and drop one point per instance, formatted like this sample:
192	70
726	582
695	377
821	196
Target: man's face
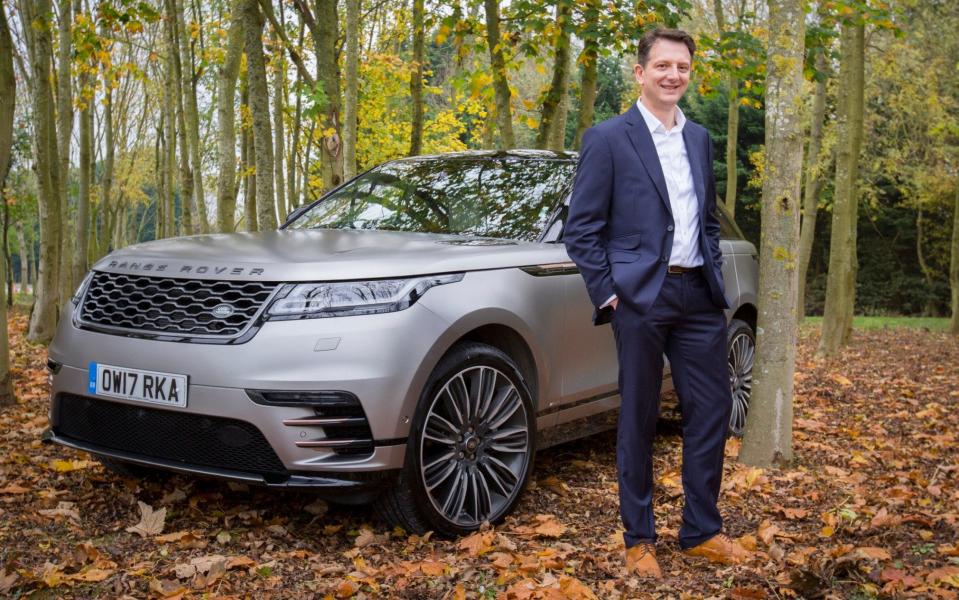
665	76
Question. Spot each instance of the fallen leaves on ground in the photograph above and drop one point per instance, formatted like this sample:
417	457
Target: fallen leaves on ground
869	508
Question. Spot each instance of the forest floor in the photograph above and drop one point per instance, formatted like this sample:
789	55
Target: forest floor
870	508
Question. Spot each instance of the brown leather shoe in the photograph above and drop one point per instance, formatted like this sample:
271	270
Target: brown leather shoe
641	561
720	549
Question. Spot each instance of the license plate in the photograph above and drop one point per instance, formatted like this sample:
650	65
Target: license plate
168	389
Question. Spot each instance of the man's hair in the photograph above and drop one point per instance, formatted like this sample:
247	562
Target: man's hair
660	33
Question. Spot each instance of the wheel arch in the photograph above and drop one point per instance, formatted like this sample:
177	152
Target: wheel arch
748	314
498	328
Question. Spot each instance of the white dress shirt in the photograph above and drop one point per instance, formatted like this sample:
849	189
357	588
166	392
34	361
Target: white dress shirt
683	203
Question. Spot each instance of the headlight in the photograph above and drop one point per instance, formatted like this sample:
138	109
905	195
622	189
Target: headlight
81	288
345	298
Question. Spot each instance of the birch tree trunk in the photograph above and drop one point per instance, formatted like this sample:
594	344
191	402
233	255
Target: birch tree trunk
768	437
813	186
416	77
8	99
954	267
260	108
188	86
246	156
843	264
226	119
504	114
551	115
35	15
106	180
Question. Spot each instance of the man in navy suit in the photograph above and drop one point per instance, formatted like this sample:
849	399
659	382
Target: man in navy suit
643	231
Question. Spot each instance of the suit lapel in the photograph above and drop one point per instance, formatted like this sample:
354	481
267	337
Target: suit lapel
695	166
642	142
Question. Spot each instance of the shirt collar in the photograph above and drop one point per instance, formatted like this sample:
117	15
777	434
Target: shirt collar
655	125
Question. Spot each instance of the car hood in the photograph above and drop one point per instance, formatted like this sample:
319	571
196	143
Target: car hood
323	255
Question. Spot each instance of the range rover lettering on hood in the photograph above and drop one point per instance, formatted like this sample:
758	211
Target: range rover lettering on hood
183	269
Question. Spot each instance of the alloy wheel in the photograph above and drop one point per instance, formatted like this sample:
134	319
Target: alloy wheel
475	446
742	352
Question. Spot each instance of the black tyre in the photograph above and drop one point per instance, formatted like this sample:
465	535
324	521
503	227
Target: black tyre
741	353
470	448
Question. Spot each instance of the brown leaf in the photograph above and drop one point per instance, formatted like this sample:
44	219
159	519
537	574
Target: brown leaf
7	580
92	575
432	568
872	553
216	570
549	526
63	509
151	521
167	588
944	575
478	543
501	560
574	589
767	531
367	538
237	562
317	508
346	589
553	483
14	489
747	593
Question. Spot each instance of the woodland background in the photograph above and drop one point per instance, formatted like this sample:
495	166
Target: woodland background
161	118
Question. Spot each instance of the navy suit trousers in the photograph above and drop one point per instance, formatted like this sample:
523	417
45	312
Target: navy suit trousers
685	324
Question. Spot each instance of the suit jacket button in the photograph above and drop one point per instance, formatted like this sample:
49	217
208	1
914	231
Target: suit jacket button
669	228
664	259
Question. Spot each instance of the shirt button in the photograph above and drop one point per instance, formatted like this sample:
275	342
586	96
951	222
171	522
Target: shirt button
669	228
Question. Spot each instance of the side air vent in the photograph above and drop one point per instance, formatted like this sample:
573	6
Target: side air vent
338	419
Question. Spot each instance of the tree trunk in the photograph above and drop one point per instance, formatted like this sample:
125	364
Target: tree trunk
416	78
260	108
587	87
768	438
8	99
732	141
186	172
246	157
954	266
327	75
35	14
841	279
291	166
279	152
550	116
929	310
24	256
83	201
813	185
226	130
64	132
188	86
504	113
169	158
160	217
106	181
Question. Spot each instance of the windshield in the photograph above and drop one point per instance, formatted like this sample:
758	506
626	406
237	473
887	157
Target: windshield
506	197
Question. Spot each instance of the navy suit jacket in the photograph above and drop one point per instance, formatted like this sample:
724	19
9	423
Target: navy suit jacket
619	231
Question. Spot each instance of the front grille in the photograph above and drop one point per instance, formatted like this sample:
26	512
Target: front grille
168	435
175	307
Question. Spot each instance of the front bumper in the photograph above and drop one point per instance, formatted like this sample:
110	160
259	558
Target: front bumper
382	360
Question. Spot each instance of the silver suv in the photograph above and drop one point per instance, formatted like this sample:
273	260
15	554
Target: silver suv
411	339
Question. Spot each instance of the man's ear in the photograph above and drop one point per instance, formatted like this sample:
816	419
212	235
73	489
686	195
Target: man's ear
638	73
